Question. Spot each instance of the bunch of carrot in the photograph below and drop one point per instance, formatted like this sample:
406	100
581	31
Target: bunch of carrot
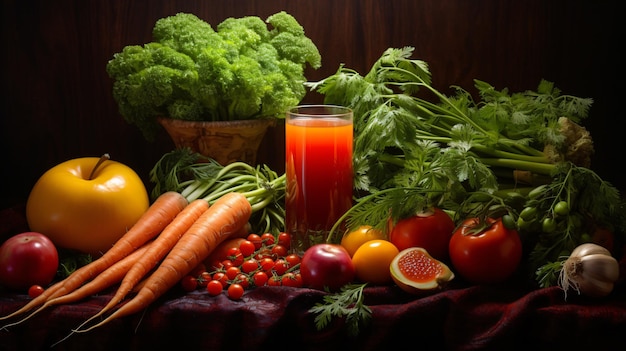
177	233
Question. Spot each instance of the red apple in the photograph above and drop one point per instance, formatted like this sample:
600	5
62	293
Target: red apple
326	266
27	259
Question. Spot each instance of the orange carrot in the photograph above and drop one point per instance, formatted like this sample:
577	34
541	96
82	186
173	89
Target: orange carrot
106	279
158	249
225	217
38	301
151	223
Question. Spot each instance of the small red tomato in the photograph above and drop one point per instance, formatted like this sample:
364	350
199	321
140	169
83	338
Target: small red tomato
35	291
264	253
235	256
249	266
292	259
243	280
203	279
198	270
221	277
214	287
247	248
485	252
235	291
266	264
291	279
274	280
280	266
268	238
260	278
284	239
226	264
279	250
256	240
430	230
189	283
232	272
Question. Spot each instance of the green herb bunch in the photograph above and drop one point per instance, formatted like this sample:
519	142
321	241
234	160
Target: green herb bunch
405	138
240	70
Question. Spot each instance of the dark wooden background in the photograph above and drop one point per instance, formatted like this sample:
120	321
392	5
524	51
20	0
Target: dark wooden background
56	96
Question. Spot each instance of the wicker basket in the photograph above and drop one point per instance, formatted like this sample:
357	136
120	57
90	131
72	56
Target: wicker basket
223	141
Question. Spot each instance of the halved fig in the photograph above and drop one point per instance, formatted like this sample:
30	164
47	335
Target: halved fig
416	272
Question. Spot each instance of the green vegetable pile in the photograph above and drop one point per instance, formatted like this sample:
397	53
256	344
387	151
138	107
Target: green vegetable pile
414	151
240	70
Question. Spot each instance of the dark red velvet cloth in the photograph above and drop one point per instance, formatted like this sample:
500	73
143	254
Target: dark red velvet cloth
462	317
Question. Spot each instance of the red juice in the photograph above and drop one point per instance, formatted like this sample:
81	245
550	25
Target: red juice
319	175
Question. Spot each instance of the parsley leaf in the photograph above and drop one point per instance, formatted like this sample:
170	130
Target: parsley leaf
348	303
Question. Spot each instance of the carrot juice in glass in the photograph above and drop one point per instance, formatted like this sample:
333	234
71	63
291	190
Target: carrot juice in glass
318	150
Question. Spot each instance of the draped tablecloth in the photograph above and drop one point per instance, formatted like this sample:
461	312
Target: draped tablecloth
507	316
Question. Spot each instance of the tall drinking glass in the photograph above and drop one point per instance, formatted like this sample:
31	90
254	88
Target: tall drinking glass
319	174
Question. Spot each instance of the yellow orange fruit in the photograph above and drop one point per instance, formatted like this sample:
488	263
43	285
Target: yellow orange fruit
372	259
352	240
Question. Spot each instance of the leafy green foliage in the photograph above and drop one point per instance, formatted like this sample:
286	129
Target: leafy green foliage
240	70
449	146
348	303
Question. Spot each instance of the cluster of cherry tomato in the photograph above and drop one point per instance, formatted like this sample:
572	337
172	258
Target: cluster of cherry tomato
259	260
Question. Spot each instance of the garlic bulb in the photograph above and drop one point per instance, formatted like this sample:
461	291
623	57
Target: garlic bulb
590	270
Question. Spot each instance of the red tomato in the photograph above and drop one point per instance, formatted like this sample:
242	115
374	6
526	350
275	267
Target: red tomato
268	238
235	255
232	272
291	279
279	250
27	259
260	278
274	280
266	264
256	240
280	266
214	287
249	265
293	259
243	280
247	248
221	277
487	255
35	291
235	291
221	251
429	230
284	239
189	283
